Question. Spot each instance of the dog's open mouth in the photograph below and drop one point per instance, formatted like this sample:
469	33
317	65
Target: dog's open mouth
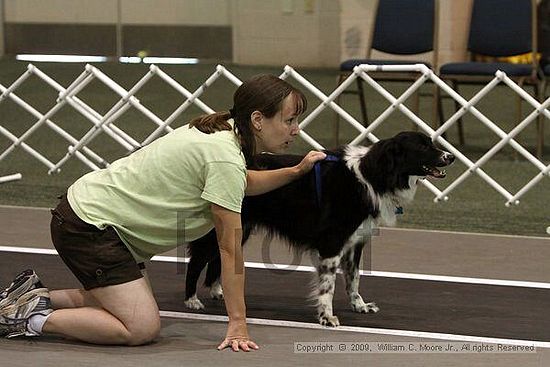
434	172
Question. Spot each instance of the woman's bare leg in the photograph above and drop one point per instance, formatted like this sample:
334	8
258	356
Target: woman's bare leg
125	314
72	298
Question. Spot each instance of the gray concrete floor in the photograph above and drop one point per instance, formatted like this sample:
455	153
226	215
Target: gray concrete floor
189	343
192	342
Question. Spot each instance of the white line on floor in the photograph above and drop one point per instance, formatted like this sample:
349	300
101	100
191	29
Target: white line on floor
385	274
437	231
357	329
28	250
303	268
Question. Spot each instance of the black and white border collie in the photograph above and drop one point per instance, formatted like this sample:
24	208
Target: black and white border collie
330	211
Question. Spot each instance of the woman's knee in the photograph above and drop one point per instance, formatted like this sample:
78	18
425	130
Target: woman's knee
144	333
134	306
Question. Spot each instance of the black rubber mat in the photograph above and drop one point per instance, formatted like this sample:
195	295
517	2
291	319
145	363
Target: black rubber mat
438	307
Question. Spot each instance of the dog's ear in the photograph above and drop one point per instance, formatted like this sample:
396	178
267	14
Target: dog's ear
380	165
392	155
394	161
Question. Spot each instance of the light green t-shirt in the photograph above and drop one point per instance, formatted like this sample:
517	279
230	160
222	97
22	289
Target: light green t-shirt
160	196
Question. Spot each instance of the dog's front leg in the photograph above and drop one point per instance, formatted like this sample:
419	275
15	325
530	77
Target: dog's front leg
326	272
350	267
212	279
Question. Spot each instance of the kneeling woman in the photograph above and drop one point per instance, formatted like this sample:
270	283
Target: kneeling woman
173	190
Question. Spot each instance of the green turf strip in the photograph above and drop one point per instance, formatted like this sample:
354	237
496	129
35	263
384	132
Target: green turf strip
473	206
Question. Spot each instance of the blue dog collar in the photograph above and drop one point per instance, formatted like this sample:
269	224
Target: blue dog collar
317	168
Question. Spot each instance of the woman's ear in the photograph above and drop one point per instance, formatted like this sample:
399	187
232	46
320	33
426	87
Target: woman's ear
257	118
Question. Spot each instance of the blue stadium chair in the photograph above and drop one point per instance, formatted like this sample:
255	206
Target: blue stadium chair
546	72
544	96
401	27
498	28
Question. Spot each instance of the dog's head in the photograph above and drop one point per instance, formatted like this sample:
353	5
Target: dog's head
390	163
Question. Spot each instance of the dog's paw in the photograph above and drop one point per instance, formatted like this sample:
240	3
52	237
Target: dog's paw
216	291
194	303
330	321
360	306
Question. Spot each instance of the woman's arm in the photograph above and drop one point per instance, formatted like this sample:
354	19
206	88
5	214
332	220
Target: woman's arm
229	233
260	182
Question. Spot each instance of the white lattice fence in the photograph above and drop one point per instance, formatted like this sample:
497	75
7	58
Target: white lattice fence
8	178
426	74
106	123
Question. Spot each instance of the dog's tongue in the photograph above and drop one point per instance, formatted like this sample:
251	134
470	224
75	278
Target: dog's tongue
434	172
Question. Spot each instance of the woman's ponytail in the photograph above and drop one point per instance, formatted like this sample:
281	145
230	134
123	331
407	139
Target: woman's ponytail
211	123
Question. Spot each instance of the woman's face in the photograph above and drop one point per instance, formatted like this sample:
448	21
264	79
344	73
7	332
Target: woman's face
275	134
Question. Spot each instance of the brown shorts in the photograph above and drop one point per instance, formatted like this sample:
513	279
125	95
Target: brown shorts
98	258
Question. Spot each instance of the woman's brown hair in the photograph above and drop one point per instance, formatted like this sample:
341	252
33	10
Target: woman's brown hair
264	93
